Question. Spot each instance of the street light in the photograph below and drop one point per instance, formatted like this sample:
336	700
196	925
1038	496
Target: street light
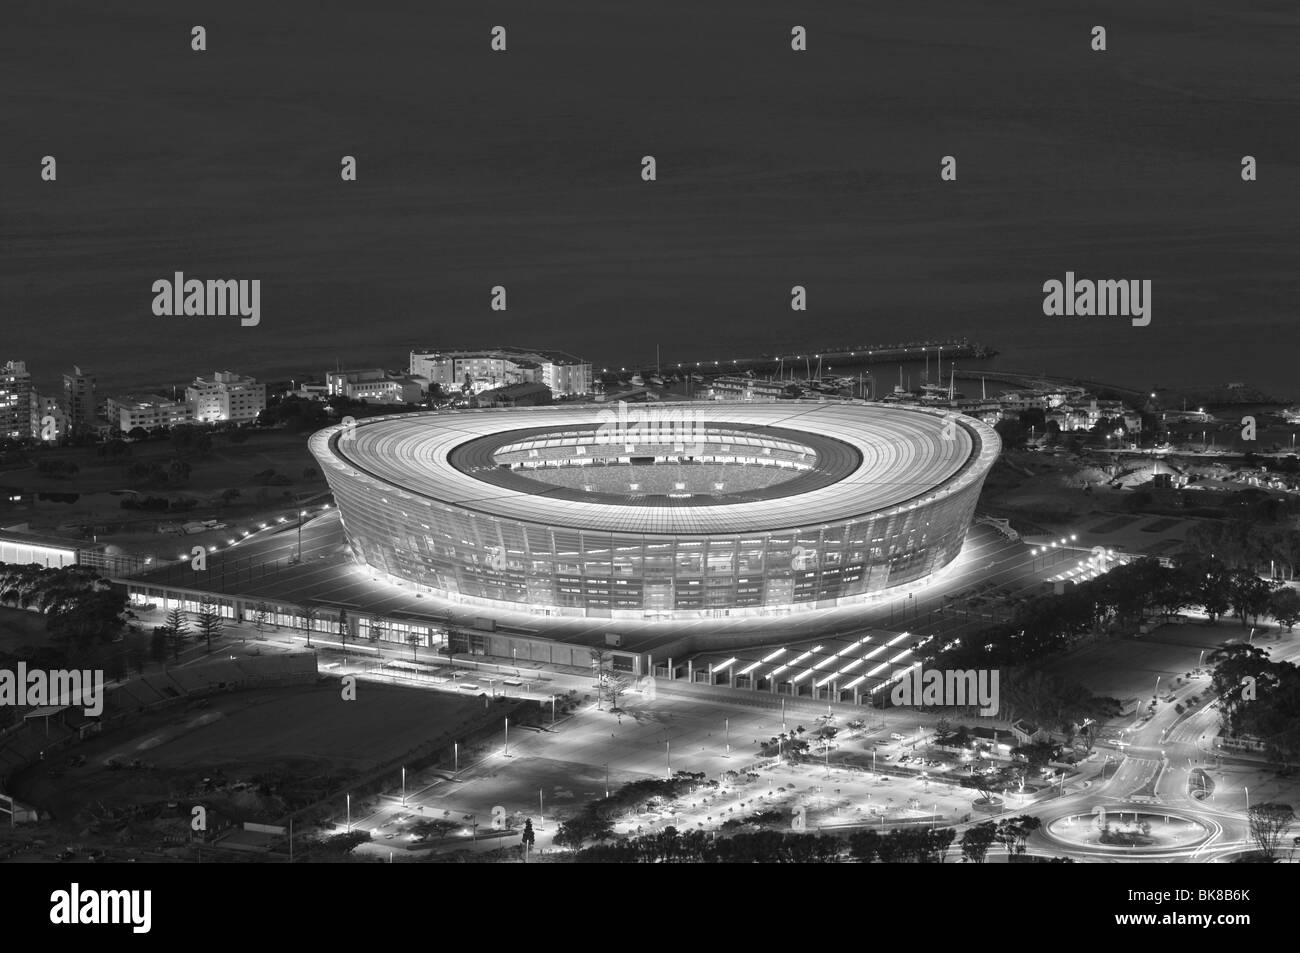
301	514
349	813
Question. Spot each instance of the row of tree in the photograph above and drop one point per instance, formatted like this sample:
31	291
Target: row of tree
1259	698
1255	544
175	632
77	603
918	845
1118	601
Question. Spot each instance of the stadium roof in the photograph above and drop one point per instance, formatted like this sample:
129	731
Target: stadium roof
905	460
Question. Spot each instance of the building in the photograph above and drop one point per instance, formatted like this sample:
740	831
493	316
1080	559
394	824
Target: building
1027	733
147	411
79	400
49	423
658	511
374	385
1081	416
988	410
515	395
748	388
480	370
15	401
566	375
225	397
19	546
309	390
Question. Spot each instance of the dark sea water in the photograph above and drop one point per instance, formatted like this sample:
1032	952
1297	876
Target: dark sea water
775	168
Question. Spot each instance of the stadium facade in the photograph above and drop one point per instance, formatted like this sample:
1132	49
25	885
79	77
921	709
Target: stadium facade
672	511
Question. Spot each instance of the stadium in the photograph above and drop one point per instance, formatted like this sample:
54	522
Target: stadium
658	511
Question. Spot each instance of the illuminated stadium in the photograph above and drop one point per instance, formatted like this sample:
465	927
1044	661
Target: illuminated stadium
672	511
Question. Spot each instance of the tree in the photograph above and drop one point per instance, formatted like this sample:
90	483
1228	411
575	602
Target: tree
1007	836
943	732
1013	832
307	616
976	841
863	846
208	620
85	615
1248	594
158	644
261	615
599	658
587	826
414	638
1268	824
528	838
615	687
1284	606
178	630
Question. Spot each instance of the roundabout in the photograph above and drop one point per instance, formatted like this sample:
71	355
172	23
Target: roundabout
1126	830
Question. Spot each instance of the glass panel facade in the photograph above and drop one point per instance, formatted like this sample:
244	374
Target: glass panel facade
506	561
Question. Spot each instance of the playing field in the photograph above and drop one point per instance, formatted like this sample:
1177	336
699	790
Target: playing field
310	731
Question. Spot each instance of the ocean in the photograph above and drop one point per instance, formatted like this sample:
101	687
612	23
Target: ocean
775	168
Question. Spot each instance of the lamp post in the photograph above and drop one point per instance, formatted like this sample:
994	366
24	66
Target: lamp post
349	813
727	722
301	514
403	785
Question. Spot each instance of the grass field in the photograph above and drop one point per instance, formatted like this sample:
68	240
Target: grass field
19	627
227	466
1127	668
311	732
